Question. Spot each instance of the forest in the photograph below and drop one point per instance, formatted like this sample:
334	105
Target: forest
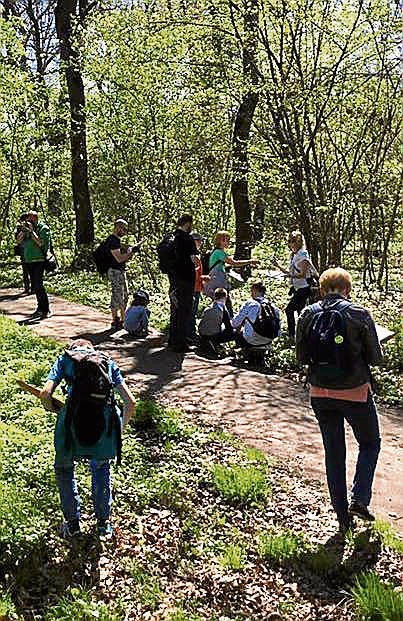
259	117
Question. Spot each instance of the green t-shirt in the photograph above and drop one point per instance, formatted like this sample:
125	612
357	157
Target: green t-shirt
218	255
32	252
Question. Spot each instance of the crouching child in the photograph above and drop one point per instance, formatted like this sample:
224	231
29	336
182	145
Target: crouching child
88	427
137	315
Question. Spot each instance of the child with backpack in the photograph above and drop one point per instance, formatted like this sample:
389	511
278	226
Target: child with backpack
337	339
88	427
258	321
137	315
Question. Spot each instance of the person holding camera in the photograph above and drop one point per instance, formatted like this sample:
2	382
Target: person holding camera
117	271
19	252
35	237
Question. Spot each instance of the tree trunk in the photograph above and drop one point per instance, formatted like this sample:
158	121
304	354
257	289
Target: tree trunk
242	127
65	12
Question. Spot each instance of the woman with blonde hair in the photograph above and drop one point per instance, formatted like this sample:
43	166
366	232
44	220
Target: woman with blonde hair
300	271
219	258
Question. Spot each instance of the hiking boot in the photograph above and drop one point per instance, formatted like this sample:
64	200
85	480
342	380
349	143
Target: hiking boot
70	529
360	510
105	529
45	315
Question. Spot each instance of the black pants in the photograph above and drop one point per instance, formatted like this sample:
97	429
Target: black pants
181	298
296	304
36	270
25	276
225	336
363	419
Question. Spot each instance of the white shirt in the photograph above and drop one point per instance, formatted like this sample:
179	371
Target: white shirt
250	310
294	268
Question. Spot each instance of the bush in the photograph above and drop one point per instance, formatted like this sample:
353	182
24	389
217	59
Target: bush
376	601
7	608
240	484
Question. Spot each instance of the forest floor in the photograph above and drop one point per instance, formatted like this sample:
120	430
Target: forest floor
268	412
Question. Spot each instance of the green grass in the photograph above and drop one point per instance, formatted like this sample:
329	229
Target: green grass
165	421
280	547
240	484
375	600
233	557
78	605
182	615
388	536
147	586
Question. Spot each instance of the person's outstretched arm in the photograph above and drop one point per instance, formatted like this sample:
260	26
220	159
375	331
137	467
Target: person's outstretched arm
241	262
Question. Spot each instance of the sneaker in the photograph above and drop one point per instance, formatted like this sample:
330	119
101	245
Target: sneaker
70	529
105	529
360	510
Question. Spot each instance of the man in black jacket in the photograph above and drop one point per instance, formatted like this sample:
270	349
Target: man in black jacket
182	282
341	388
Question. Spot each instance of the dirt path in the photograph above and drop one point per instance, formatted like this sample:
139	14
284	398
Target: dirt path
269	412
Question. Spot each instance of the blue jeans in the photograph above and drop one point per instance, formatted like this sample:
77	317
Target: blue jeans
363	419
101	489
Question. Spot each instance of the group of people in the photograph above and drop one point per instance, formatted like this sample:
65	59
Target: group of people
335	338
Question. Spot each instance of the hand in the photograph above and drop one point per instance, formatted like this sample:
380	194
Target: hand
29	226
46	400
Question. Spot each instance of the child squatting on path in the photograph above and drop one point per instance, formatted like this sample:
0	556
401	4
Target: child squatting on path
89	426
337	339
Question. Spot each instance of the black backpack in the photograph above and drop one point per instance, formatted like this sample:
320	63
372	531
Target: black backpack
328	346
267	323
102	258
166	251
92	391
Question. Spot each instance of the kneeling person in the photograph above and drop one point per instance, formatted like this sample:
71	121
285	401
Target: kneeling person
88	427
137	315
213	319
258	321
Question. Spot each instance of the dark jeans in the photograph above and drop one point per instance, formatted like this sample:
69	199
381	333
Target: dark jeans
36	270
181	298
25	276
297	303
363	419
192	334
